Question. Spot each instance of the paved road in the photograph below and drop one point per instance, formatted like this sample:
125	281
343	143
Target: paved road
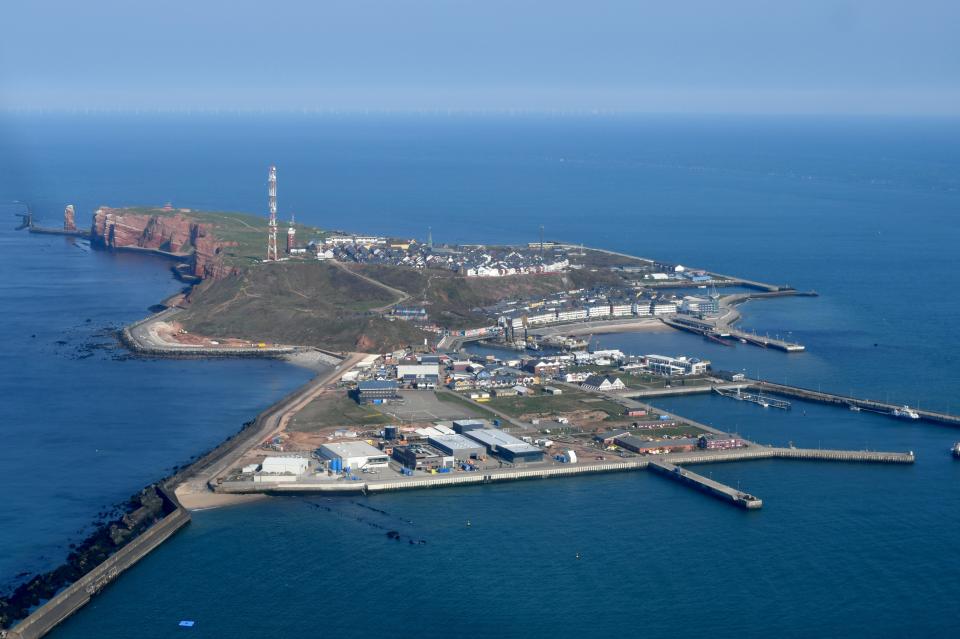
267	423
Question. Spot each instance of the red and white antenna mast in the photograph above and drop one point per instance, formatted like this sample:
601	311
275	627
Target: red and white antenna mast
272	226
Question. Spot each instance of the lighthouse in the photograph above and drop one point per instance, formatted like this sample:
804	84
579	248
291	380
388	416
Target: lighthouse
291	237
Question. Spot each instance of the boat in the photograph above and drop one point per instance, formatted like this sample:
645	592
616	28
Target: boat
759	399
956	450
905	412
854	408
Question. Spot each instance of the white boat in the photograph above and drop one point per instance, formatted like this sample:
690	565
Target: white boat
906	412
956	450
855	408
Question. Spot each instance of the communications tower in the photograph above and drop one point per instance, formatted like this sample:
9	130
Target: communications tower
272	225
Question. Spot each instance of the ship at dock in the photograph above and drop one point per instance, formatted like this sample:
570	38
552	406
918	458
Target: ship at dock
905	412
755	398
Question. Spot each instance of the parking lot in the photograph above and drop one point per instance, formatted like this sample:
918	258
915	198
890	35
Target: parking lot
423	406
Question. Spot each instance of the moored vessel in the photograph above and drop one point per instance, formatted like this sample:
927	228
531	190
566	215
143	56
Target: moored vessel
905	412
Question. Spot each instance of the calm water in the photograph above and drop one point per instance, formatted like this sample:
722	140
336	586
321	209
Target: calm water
864	212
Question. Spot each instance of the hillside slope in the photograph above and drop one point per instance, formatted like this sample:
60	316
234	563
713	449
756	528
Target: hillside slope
450	299
304	303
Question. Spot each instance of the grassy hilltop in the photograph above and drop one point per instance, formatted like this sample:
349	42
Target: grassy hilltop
342	306
244	236
304	303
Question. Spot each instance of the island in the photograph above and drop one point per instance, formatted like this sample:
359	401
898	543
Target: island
401	398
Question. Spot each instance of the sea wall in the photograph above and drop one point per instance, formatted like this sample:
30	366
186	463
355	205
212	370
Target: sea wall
76	595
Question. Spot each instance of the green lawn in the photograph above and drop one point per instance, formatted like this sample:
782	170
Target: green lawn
570	401
335	410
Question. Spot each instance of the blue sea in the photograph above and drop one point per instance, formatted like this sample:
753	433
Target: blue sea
864	211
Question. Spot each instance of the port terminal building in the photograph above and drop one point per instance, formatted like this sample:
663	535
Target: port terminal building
418	457
505	446
352	456
460	447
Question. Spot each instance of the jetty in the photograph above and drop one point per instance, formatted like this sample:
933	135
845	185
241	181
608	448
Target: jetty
755	398
707	485
873	405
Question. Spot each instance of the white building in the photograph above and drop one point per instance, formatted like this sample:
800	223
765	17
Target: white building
676	366
418	370
281	469
621	310
572	315
664	308
542	318
285	465
600	310
354	455
641	309
603	383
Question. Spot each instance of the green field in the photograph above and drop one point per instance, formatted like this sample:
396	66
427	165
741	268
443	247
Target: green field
570	401
244	235
335	410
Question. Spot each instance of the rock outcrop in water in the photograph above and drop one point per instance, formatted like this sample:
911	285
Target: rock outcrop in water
175	234
69	221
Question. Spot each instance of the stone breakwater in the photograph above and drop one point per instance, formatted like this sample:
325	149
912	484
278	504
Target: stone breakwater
149	520
174	235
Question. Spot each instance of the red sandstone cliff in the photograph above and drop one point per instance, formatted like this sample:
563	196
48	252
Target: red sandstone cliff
175	234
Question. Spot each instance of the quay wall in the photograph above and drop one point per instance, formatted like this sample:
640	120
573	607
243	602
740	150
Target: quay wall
491	476
76	595
42	230
706	485
142	347
831	398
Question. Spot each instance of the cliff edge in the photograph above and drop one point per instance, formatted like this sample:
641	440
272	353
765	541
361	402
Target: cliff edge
175	234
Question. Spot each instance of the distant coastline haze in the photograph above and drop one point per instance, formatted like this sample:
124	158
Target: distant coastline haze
884	57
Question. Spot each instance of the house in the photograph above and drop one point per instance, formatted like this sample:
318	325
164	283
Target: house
603	383
608	438
544	368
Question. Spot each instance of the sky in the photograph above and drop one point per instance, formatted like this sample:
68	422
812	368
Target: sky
682	56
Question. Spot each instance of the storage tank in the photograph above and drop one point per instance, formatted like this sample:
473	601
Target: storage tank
389	432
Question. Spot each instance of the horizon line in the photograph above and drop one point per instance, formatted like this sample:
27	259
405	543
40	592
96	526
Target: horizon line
462	111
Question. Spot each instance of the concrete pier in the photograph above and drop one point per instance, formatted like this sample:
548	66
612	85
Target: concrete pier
867	404
704	484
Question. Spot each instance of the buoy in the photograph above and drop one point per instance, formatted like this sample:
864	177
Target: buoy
468	522
578	555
